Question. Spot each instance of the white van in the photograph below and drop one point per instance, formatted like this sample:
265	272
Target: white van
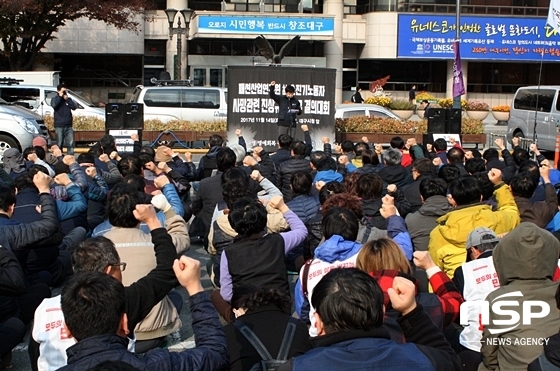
38	99
540	105
188	103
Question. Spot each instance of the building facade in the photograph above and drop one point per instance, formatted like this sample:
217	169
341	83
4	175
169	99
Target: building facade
503	45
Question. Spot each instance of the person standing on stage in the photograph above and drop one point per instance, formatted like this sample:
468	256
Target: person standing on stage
288	108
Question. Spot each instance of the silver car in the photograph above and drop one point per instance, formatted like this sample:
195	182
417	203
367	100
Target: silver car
343	111
18	127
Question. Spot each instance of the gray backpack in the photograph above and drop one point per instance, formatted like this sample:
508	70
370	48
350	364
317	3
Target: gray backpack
268	363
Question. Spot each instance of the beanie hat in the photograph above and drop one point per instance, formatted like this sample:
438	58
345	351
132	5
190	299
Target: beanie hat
39	142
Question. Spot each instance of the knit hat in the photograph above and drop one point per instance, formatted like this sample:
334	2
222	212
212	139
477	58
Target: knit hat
160	156
13	161
39	142
481	235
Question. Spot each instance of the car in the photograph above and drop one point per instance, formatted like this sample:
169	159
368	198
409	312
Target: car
18	127
525	117
182	102
38	99
343	111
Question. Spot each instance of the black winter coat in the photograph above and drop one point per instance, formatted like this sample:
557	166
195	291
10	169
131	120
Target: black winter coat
20	237
210	352
285	172
12	284
285	104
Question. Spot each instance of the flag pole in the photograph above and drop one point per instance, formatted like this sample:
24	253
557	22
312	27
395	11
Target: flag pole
537	100
457	99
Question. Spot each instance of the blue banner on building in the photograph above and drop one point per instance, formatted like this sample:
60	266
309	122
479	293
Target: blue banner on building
482	38
278	25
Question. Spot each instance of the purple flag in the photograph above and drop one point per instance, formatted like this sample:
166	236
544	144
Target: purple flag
458	84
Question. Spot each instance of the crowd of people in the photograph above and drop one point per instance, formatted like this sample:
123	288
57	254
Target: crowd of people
412	257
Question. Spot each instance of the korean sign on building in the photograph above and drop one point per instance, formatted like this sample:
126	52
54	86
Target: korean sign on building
279	25
251	108
499	38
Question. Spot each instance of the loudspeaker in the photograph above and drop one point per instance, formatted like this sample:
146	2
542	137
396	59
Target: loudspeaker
114	116
454	121
436	120
134	116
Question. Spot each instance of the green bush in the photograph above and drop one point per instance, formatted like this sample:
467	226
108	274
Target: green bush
401	104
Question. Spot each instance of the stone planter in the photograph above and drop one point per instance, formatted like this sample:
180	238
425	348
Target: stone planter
500	116
375	137
404	114
474	139
478	115
420	113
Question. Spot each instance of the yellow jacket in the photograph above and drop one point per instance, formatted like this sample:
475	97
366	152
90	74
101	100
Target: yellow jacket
448	239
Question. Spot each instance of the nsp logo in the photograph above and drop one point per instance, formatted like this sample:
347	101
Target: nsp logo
518	312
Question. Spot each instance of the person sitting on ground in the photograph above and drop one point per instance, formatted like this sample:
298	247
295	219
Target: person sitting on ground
394	172
433	192
448	238
296	162
135	246
549	359
95	295
359	148
284	152
525	260
208	163
449	173
235	185
475	165
303	204
491	156
256	257
523	187
346	148
18	300
370	190
36	155
456	156
440	148
340	230
47	345
267	312
314	228
384	260
475	279
325	167
398	143
370	161
349	321
421	168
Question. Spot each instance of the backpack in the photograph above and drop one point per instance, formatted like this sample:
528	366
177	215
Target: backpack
268	363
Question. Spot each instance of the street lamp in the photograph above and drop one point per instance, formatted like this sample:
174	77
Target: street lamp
179	31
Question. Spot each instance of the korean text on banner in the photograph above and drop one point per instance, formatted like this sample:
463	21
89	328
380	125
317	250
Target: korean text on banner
458	82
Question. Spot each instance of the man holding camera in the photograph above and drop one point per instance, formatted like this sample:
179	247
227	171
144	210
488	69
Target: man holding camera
63	106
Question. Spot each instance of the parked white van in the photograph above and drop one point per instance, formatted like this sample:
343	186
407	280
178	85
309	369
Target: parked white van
38	99
175	102
535	105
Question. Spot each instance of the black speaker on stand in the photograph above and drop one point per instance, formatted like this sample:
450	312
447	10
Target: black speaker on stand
454	121
436	120
114	116
134	116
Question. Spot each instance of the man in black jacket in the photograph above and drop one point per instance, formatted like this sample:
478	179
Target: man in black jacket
19	238
48	345
96	295
288	108
421	168
17	304
349	315
296	162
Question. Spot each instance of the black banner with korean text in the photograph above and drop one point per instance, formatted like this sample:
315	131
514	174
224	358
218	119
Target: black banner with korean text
252	110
